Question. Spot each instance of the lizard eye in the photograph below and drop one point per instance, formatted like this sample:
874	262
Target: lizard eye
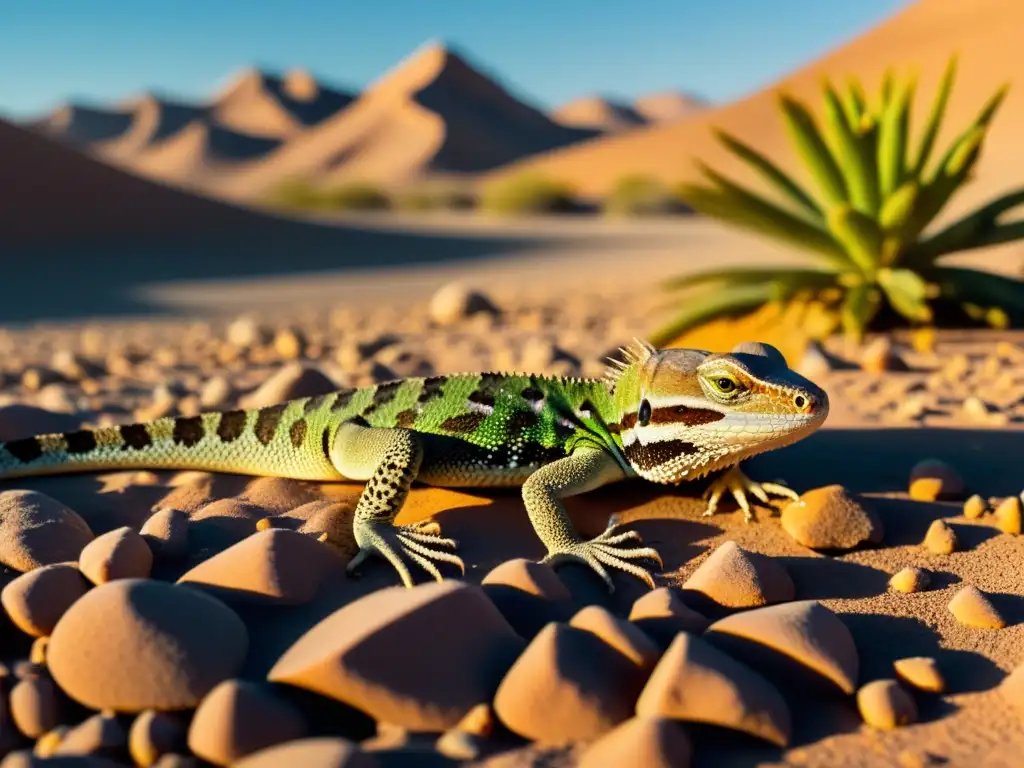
724	385
643	416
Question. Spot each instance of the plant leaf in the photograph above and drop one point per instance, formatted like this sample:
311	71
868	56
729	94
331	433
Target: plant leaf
975	230
746	275
859	234
983	120
934	122
713	304
907	293
892	140
857	166
854	104
731	202
860	304
982	288
771	172
809	144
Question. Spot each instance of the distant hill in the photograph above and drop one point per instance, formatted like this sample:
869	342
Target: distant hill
667	106
598	113
988	35
433	114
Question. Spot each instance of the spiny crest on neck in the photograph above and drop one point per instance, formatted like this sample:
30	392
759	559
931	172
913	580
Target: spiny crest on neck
634	354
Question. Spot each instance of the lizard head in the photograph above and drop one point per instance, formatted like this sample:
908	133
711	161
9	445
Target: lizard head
687	412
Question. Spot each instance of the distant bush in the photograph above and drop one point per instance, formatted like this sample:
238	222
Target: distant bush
437	197
355	196
526	194
638	195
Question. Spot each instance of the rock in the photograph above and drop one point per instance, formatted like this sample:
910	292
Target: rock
292	381
1007	515
216	393
55	397
247	332
817	362
47	744
323	752
1011	689
879	356
154	734
568	685
36	600
324	517
884	704
921	672
695	681
804	631
119	554
72	367
661	614
18	421
940	538
625	637
99	734
274	566
972	609
910	580
975	507
652	742
934	480
166	533
176	761
36	530
134	644
361	654
37	654
457	301
735	578
238	718
830	518
290	343
35	707
528	594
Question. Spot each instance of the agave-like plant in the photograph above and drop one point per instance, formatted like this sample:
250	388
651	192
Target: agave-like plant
876	195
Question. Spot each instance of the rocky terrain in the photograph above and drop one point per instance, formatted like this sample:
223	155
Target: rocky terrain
173	619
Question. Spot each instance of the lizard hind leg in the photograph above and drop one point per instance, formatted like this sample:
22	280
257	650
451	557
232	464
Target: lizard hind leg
391	458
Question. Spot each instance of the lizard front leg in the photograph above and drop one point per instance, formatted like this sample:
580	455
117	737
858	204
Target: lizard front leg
736	482
581	471
389	459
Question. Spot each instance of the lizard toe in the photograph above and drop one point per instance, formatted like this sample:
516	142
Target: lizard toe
601	553
415	543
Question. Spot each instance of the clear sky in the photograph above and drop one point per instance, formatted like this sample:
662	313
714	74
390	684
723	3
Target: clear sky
548	50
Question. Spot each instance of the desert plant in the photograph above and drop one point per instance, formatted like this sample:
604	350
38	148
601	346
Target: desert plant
527	193
296	193
437	197
639	195
356	196
866	226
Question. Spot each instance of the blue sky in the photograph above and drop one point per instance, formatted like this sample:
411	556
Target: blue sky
548	50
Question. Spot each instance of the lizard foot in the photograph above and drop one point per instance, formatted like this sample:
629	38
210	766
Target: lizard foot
421	543
739	485
607	549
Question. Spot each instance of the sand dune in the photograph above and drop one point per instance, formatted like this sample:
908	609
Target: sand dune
598	113
987	34
666	106
153	120
65	196
433	113
84	124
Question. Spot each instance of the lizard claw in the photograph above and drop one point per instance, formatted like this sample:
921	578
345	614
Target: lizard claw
607	549
421	543
739	485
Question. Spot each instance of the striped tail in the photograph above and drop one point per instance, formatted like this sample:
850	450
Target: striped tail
286	440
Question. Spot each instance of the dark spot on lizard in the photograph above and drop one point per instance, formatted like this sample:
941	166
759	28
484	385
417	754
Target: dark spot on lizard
385	393
587	409
628	421
315	403
463	423
267	421
325	443
532	394
431	389
647	457
342	399
681	414
482	397
406	418
231	426
25	450
188	430
297	432
80	442
521	420
135	436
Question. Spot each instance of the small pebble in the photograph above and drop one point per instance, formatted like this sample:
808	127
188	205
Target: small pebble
972	608
940	538
885	704
34	706
933	479
910	580
1007	515
975	507
921	672
118	554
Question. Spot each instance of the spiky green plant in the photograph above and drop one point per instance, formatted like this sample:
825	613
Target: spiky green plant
876	196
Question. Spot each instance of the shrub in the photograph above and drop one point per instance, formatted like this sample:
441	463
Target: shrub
528	194
875	197
295	193
437	197
638	195
355	196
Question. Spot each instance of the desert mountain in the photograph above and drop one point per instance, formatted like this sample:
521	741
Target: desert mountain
598	113
84	124
153	120
78	198
666	106
986	33
434	113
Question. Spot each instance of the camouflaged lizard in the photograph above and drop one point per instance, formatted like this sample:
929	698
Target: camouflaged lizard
667	416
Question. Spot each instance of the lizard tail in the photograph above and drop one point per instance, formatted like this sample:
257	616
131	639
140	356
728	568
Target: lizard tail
281	440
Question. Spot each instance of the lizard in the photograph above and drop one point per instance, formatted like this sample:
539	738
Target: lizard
668	416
